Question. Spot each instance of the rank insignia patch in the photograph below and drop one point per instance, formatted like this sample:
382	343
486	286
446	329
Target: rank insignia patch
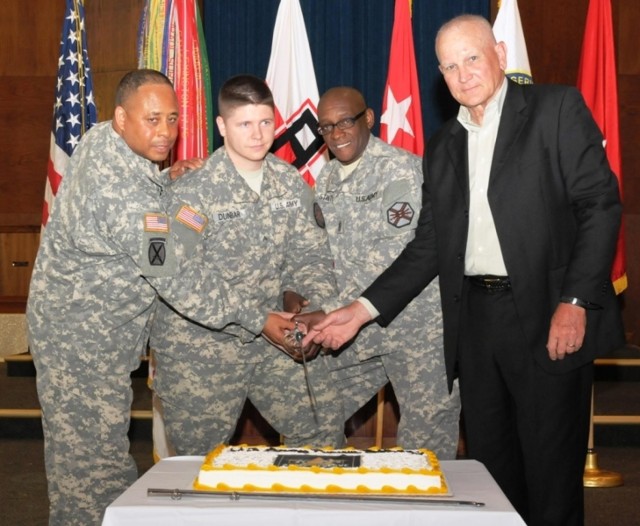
156	223
157	251
317	213
189	217
400	214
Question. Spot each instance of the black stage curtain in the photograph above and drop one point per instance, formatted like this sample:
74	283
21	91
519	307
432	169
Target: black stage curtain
349	41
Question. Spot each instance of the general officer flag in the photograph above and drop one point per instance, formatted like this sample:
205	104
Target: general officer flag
401	120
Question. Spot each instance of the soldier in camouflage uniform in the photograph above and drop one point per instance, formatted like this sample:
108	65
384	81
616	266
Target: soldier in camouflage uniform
368	199
89	309
262	237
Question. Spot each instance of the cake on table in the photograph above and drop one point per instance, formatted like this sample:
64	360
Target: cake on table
326	471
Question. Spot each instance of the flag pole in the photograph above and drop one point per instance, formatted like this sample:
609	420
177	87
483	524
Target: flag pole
594	477
597	80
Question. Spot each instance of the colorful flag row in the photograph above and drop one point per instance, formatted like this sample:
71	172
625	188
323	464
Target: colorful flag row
171	40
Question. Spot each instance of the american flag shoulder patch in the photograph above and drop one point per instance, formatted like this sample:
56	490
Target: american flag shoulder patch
155	222
191	218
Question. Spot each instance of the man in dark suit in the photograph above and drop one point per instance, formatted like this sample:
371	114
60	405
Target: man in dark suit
520	218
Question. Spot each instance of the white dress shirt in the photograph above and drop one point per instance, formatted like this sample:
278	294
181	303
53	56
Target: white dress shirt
483	254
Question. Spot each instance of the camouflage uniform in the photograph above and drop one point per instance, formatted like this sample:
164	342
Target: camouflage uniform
369	216
88	320
261	244
89	313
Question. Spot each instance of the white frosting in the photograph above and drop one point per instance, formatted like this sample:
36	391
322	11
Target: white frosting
252	468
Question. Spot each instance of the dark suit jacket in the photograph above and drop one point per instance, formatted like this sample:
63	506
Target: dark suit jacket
556	207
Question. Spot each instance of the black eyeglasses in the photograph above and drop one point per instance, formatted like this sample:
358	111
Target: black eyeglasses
342	124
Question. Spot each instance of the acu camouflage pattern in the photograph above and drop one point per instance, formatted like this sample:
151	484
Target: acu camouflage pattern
88	307
202	402
369	216
88	317
86	446
258	246
89	314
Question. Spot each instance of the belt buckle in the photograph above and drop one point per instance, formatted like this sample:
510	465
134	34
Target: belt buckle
492	283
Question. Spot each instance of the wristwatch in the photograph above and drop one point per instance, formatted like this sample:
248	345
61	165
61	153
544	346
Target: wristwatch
580	303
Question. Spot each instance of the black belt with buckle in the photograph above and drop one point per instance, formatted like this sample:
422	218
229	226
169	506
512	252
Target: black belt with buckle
489	282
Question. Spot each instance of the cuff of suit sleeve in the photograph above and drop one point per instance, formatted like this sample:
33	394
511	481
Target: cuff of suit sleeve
580	303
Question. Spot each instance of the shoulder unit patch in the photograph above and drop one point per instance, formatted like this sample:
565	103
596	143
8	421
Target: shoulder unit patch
400	214
157	251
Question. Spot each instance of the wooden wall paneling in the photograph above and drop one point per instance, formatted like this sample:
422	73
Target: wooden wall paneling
360	429
105	84
391	418
28	62
17	255
631	296
112	31
626	16
628	89
30	37
26	104
553	33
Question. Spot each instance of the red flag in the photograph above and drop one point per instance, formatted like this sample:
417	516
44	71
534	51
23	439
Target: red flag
597	80
171	41
401	121
74	111
292	80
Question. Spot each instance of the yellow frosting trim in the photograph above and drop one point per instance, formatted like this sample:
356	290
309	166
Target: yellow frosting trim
280	488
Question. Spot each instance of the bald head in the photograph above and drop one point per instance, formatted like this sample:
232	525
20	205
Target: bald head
343	94
479	25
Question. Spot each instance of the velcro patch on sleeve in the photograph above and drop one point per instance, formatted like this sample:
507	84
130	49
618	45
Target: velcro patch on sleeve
191	218
400	214
154	222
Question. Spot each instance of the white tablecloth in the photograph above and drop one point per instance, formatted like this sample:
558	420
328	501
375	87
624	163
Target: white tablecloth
468	480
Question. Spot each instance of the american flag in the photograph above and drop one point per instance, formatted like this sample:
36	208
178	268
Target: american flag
156	223
191	218
74	110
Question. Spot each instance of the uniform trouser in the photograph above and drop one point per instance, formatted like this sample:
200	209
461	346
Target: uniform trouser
429	414
202	402
85	420
530	428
